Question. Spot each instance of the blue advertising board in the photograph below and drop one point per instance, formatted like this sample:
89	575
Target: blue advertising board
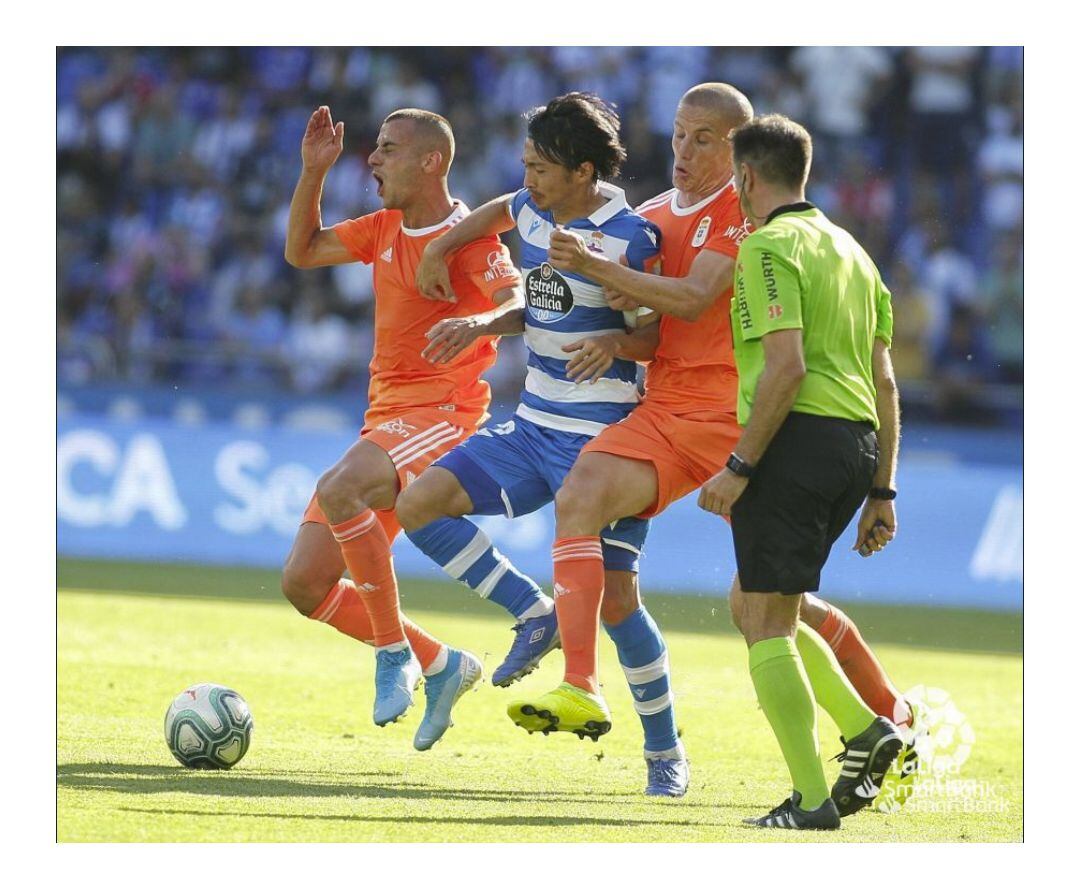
156	490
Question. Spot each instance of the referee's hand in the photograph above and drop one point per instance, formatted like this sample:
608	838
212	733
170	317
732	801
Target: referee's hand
720	492
877	527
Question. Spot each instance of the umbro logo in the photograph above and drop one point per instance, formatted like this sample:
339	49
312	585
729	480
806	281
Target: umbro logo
537	635
387	254
366	587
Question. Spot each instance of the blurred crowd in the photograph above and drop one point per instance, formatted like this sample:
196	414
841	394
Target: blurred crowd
175	168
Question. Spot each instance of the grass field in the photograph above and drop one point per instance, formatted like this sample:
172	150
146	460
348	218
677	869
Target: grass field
132	636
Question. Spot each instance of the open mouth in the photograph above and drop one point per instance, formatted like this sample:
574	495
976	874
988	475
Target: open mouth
379	181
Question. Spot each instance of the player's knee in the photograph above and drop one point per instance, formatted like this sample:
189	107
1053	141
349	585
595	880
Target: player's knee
348	488
416	506
303	587
621	597
435	494
578	504
813	611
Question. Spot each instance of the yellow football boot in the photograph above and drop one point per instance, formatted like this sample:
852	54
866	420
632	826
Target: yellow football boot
567	708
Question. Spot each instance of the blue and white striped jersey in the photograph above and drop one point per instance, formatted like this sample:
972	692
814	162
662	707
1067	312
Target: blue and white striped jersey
561	307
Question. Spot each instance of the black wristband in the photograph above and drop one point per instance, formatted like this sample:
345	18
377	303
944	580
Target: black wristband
739	466
882	493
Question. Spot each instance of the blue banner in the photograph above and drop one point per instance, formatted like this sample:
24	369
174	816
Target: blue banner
216	493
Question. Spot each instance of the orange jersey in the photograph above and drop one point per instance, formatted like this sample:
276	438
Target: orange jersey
400	378
694	367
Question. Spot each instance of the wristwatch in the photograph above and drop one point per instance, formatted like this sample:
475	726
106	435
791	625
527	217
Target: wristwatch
882	493
739	466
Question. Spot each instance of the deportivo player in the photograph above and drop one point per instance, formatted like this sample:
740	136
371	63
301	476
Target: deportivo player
684	431
417	411
514	468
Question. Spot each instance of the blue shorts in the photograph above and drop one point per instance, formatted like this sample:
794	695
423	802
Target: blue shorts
513	468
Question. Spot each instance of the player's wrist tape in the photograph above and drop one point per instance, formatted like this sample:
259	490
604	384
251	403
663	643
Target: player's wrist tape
882	493
739	466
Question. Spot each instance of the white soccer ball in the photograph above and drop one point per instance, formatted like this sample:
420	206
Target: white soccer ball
208	726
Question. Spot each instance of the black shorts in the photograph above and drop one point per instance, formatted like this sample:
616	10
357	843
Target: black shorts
812	479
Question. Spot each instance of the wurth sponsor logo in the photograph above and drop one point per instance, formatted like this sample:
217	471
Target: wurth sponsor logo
768	272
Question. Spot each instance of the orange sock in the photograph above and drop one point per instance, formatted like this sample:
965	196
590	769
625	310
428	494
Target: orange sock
343	609
366	551
579	586
862	668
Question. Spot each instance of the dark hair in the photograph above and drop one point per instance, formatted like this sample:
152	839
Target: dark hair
578	128
777	147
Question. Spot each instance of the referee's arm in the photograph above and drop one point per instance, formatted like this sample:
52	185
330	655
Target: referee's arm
777	388
877	523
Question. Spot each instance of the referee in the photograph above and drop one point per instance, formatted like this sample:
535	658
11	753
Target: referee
812	322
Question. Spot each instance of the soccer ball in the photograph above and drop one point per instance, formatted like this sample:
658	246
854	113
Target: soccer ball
208	726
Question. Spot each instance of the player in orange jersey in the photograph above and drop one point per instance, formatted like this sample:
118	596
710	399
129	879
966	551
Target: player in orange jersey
417	410
684	430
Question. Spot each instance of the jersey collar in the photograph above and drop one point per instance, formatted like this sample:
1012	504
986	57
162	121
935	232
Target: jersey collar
456	215
701	204
616	203
801	207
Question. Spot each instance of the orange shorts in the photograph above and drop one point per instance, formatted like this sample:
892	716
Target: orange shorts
686	449
413	441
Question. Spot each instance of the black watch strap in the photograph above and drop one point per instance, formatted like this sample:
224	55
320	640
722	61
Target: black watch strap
739	466
882	493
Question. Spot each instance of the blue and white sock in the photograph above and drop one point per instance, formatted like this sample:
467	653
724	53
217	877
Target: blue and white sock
466	553
644	659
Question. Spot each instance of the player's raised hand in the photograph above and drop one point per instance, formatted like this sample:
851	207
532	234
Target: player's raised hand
617	300
591	359
877	527
323	141
567	251
449	337
433	277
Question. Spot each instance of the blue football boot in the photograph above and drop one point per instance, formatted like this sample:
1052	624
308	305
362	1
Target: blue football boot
397	673
668	777
443	690
534	639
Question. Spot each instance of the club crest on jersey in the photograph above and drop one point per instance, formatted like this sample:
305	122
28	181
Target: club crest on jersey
547	294
702	232
595	243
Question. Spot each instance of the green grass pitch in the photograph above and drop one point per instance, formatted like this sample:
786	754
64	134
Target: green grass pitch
133	636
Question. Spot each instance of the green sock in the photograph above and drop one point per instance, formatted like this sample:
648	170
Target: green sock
783	690
831	687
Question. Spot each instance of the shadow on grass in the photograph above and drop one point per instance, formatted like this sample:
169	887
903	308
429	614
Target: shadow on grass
155	779
924	627
497	820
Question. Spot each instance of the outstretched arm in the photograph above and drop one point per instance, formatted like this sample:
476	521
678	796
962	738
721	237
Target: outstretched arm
710	275
307	243
432	274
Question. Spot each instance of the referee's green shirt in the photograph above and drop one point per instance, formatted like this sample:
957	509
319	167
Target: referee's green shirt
800	271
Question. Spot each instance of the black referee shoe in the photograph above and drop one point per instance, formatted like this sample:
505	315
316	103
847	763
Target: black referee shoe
788	815
866	758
